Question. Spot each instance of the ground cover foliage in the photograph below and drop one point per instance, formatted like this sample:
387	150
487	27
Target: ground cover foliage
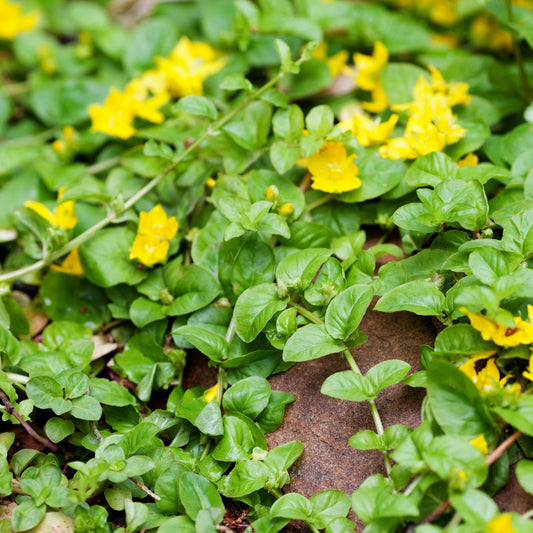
199	176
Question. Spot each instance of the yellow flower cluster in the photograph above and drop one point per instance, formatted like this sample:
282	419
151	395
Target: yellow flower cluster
367	131
13	21
367	76
180	74
154	231
488	379
485	32
332	169
62	216
431	125
500	334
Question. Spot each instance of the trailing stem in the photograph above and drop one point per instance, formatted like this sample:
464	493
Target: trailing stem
87	234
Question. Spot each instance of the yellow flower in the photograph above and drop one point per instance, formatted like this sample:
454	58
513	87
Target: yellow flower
210	182
157	223
529	372
367	131
469	160
187	66
500	334
210	395
149	249
71	264
13	21
62	216
379	101
286	210
332	170
398	148
116	115
443	12
501	524
488	378
484	32
335	63
368	68
480	444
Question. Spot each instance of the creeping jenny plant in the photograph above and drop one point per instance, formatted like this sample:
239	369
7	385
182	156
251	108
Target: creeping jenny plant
200	177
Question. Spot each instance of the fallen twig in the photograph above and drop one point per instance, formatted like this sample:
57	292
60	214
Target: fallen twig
39	438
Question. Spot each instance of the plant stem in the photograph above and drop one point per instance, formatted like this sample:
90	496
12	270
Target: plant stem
306	313
412	486
454	522
30	139
373	409
13	89
17	378
321	201
498	452
143	487
212	130
528	514
103	165
528	93
39	438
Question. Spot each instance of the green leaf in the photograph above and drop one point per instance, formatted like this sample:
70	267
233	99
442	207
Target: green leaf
153	37
398	80
346	310
27	515
420	296
292	505
518	234
524	473
237	442
110	392
475	507
431	169
209	343
284	156
319	121
105	258
248	396
298	269
43	390
70	297
285	56
465	457
209	420
310	342
86	408
329	505
348	385
520	415
456	403
374	500
65	103
386	373
247	477
57	429
144	311
254	308
193	287
198	105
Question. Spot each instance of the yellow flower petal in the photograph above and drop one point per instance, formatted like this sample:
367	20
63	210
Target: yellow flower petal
149	250
210	395
41	210
157	223
70	265
480	444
